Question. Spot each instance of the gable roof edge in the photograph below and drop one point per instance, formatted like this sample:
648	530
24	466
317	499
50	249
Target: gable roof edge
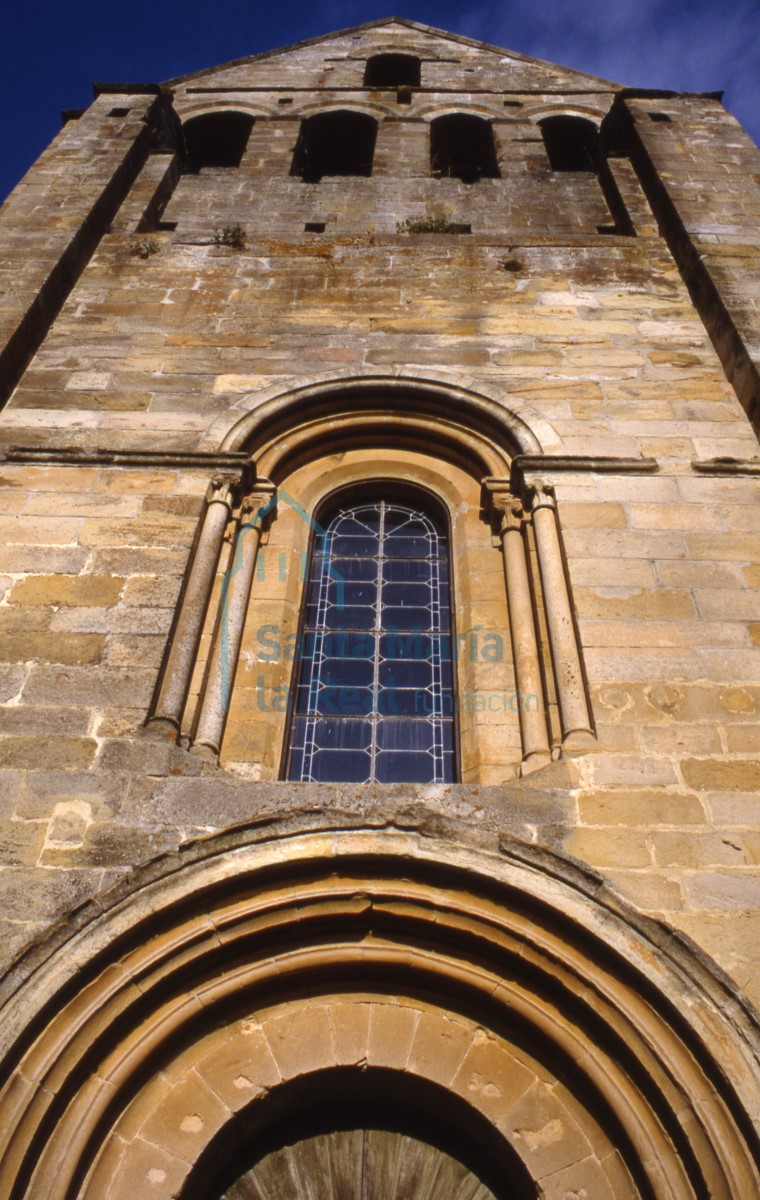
607	85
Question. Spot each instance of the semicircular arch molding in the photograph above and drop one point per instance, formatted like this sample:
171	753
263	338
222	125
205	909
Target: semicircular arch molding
205	108
483	109
432	400
593	1045
366	108
352	476
408	49
539	112
292	445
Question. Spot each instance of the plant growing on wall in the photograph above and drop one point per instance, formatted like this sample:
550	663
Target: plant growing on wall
230	235
431	225
144	248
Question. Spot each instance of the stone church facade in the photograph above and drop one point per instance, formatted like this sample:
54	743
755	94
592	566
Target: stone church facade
380	636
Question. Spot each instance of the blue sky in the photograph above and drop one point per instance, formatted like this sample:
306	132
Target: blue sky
52	52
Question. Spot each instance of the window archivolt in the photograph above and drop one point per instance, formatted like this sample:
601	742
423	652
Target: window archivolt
364	709
472	417
447	438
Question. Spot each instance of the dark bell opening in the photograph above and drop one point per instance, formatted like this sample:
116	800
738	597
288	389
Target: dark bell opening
461	147
335	143
216	140
572	143
392	70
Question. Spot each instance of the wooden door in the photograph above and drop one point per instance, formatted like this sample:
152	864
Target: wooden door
358	1164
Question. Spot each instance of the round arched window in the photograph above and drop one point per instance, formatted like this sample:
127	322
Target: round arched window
374	699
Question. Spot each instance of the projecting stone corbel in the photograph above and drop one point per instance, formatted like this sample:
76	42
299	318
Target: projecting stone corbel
236	591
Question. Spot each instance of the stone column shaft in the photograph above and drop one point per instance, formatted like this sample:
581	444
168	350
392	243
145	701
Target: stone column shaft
236	591
568	672
533	727
179	667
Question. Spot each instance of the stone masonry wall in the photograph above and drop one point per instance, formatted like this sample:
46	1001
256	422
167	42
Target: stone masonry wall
54	219
701	171
592	337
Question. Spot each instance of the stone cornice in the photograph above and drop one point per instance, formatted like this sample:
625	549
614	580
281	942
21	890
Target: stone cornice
728	466
128	89
525	466
155	459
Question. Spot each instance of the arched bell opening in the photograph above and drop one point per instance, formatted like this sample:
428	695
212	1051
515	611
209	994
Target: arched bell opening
392	70
572	143
216	139
335	143
462	147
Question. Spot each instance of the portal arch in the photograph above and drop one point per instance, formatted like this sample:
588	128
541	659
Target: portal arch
593	1047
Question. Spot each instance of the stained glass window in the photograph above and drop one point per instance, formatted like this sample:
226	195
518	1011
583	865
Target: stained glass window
374	695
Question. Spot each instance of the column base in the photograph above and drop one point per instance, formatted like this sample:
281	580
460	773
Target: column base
161	729
579	741
535	761
205	751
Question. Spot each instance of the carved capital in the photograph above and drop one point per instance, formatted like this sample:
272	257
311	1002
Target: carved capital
510	515
260	503
541	495
222	489
502	505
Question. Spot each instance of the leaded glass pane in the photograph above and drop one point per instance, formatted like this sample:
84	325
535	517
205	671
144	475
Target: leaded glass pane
373	699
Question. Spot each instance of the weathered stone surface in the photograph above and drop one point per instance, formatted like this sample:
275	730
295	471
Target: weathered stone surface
109	845
21	894
548	332
609	848
39	721
54	753
101	686
20	843
48	647
10	786
741	775
70	590
11	682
